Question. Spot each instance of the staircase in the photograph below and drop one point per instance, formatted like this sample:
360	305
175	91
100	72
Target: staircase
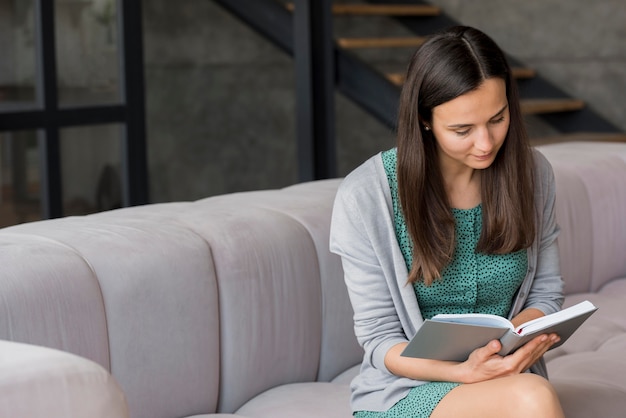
376	88
539	99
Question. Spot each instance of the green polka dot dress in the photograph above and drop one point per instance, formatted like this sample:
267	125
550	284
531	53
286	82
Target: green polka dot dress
471	283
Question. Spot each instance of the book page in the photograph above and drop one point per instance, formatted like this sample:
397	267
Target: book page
548	320
475	319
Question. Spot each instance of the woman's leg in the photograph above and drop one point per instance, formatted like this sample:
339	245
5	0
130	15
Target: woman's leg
522	395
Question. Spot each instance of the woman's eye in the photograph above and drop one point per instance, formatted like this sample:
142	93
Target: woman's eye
462	133
500	119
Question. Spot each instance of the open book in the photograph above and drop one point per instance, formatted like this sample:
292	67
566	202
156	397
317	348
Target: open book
454	337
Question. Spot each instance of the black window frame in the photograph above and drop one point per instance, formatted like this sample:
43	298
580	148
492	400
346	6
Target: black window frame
48	118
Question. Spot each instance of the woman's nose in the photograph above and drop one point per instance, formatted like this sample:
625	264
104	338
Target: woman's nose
484	140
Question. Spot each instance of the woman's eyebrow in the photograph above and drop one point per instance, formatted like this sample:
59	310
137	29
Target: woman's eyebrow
467	125
500	112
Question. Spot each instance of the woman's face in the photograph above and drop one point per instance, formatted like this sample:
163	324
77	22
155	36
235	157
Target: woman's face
471	128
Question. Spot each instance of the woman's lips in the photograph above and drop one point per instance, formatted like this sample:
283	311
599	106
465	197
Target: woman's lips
484	157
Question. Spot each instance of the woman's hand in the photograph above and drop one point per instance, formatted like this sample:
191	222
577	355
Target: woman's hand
485	364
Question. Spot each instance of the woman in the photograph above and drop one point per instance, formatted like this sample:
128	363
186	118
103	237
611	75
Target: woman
458	218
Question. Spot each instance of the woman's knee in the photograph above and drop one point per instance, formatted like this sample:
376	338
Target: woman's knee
523	395
535	396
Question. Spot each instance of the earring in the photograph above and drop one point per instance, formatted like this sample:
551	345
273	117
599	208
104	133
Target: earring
427	127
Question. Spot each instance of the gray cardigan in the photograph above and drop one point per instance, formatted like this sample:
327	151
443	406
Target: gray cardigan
386	311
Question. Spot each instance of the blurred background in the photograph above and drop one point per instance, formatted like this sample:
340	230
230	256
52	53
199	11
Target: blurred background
111	103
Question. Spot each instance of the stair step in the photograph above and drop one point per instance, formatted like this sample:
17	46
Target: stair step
397	42
386	9
523	72
581	136
538	106
518	72
380	9
396	78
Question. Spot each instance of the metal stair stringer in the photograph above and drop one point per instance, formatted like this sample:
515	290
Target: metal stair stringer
354	78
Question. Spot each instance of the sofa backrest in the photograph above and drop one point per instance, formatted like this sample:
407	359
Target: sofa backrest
136	295
195	307
311	204
591	211
281	290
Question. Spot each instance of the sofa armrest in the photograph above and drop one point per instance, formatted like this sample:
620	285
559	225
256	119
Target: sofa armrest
37	382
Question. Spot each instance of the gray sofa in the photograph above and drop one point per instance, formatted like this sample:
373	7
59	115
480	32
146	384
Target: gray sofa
233	305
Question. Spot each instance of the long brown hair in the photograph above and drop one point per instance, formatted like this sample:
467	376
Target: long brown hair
446	66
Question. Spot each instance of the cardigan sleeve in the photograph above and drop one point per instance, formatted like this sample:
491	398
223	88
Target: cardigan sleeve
546	292
353	237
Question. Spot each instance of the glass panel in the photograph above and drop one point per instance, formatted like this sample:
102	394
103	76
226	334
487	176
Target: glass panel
18	43
90	169
19	178
87	51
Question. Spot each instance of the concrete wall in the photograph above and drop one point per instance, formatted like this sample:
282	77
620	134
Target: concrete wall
220	99
219	103
221	106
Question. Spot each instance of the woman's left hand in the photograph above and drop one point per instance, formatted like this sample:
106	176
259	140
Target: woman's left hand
485	363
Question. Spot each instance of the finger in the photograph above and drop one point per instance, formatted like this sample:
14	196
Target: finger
493	347
533	348
547	341
537	343
532	351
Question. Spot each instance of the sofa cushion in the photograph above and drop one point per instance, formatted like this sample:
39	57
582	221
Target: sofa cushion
49	295
588	371
41	382
303	400
588	398
603	332
346	377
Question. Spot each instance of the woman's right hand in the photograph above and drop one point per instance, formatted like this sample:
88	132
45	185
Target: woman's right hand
485	363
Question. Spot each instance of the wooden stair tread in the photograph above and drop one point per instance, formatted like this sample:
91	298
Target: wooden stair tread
581	136
390	42
523	72
537	106
386	9
396	78
518	72
380	9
